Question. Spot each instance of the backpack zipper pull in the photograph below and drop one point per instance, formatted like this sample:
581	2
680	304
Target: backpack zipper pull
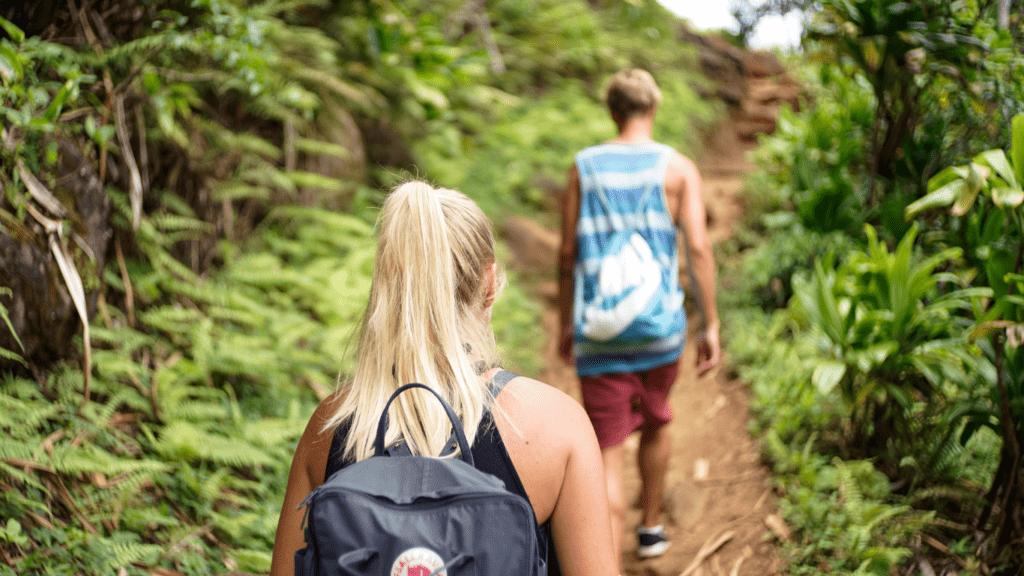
305	514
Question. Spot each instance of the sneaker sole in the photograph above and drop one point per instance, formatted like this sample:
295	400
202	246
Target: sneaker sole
653	550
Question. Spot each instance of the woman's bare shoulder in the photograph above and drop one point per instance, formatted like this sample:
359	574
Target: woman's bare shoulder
543	410
315	445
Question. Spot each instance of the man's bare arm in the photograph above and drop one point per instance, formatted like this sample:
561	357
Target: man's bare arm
567	262
684	179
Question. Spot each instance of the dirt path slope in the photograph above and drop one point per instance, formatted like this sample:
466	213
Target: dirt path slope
721	515
717	487
719	507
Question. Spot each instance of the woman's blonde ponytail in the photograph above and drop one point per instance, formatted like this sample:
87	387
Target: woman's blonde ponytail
425	321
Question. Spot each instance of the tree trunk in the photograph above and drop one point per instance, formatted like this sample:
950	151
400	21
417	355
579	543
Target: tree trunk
41	310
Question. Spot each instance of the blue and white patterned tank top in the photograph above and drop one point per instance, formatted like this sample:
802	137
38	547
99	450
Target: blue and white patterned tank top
628	309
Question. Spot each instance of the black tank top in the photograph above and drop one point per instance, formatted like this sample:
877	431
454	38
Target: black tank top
489	454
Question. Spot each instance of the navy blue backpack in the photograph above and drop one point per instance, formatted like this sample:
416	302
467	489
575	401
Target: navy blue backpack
417	516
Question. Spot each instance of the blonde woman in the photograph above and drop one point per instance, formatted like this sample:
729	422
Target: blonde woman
428	320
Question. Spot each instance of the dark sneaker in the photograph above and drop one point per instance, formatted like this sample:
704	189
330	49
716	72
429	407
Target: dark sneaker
653	541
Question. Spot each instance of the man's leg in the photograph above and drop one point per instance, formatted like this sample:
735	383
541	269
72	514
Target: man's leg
614	459
652	458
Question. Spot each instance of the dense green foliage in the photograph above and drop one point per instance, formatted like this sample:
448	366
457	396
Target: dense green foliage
242	235
889	391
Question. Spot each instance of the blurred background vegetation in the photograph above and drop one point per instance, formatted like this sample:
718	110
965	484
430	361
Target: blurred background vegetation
188	194
874	296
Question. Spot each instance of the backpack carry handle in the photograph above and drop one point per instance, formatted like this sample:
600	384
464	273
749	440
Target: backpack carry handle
460	435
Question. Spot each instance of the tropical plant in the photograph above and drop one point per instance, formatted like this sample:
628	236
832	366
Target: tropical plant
984	200
894	348
848	521
900	49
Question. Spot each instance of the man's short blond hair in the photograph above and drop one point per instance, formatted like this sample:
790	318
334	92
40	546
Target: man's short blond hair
631	92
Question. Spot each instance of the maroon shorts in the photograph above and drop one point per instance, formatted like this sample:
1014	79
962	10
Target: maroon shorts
620	402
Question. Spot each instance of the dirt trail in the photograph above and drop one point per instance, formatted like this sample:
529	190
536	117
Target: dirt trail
717	486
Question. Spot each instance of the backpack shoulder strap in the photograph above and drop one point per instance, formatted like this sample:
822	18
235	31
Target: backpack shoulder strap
498	383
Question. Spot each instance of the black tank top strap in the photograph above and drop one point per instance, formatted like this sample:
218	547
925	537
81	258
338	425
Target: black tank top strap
500	380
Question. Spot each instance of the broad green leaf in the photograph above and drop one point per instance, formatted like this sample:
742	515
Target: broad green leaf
10	67
997	266
314	180
1017	146
994	227
827	306
942	178
977	292
943	196
969	192
58	101
899	281
13	31
827	375
874	355
3	316
5	353
1005	197
997	160
1015	299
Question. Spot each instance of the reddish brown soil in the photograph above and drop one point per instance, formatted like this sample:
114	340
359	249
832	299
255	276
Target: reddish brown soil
731	499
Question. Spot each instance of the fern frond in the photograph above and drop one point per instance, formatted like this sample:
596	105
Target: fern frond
183	441
947	492
146	46
20	475
243	317
115	365
249	143
314	180
124	549
312	146
256	561
240	191
364	97
126	396
850	492
264	174
171	319
10	448
273	432
163	260
235	524
336	221
23	419
173	222
196	411
89	458
126	339
146	518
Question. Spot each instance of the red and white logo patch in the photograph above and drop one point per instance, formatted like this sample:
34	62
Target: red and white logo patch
418	562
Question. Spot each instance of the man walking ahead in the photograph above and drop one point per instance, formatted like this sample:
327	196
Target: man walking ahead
621	304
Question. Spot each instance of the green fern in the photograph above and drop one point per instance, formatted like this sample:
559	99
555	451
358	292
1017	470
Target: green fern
27	479
10	448
89	458
123	549
171	319
22	419
188	227
127	340
183	441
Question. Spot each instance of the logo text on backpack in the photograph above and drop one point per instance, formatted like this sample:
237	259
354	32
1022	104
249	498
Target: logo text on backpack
418	562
